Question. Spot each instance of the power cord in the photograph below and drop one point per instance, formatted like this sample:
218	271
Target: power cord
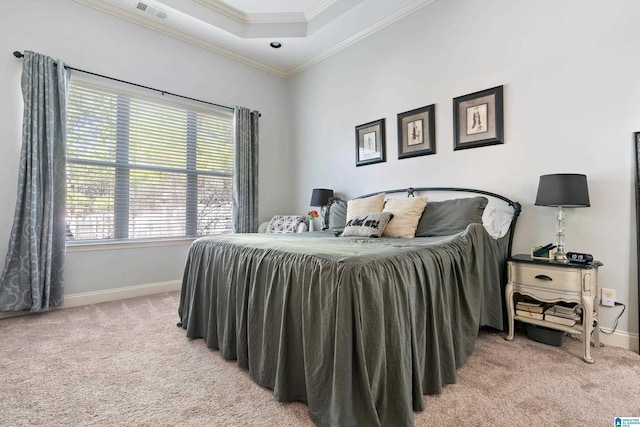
615	325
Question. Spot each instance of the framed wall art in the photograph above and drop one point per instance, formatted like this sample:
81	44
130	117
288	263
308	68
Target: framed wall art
370	143
478	119
416	132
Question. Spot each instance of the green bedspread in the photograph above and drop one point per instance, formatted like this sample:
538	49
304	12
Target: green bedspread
357	328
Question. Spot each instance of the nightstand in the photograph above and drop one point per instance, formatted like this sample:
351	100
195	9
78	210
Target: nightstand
549	281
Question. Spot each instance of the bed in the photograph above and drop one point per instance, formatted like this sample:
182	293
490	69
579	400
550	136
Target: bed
359	328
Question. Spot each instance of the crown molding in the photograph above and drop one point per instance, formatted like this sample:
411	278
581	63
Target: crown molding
266	18
180	35
276	18
390	19
225	9
318	8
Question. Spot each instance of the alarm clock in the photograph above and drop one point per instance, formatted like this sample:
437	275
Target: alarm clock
579	258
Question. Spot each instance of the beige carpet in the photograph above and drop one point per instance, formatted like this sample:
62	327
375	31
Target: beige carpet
126	363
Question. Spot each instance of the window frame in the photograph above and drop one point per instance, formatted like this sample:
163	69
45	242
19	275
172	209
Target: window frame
122	167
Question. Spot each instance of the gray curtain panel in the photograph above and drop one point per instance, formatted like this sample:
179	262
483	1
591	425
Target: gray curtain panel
245	178
32	278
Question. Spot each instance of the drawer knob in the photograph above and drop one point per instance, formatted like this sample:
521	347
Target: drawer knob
543	277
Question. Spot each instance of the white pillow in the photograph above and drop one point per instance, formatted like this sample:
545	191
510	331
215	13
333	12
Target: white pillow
284	224
497	221
406	214
370	204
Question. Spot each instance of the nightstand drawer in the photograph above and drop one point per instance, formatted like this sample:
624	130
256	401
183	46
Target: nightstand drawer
547	277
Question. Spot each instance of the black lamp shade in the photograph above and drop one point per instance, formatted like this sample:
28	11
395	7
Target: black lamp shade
320	197
563	189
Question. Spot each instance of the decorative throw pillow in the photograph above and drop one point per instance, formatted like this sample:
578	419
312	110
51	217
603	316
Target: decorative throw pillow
336	215
497	221
367	225
366	205
448	217
406	214
284	224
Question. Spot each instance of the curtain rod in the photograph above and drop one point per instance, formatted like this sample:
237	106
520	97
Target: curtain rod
18	54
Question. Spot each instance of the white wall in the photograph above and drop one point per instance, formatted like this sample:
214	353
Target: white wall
571	88
87	39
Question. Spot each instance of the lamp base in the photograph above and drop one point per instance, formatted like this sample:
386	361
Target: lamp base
561	257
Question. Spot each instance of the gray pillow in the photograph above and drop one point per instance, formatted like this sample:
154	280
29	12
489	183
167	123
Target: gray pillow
336	214
367	225
450	216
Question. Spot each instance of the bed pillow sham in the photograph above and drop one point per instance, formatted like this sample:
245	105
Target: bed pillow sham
446	217
336	214
370	224
406	214
365	205
284	224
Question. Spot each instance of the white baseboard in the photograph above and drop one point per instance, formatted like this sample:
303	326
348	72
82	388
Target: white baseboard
86	298
621	339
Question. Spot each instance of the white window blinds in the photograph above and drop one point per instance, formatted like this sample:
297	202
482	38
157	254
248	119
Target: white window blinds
143	166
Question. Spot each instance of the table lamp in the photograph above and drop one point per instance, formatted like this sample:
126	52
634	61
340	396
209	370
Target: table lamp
563	190
320	197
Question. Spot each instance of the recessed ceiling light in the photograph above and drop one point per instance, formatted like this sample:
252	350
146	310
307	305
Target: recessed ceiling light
275	45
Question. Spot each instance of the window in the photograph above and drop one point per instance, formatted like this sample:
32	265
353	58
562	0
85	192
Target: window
143	166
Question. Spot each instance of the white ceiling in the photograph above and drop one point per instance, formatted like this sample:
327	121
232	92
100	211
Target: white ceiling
309	30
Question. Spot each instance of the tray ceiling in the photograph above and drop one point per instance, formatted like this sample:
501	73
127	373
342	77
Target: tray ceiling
308	30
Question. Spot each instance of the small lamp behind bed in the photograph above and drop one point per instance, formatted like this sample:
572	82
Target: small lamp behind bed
320	197
564	190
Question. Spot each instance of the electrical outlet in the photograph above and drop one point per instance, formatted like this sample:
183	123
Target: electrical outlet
608	297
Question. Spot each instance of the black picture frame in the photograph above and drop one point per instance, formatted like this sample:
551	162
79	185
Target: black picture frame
416	132
636	141
370	143
478	119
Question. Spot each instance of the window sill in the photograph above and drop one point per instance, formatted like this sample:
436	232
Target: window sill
95	245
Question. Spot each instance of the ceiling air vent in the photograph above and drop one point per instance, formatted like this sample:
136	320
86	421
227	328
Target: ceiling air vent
159	13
